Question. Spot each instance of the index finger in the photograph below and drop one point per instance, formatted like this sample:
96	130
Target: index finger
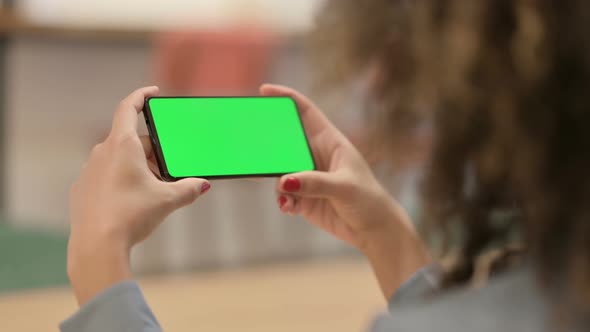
125	118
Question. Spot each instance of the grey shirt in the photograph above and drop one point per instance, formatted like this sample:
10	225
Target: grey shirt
510	302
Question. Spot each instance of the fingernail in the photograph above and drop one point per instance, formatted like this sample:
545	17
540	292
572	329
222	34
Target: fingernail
282	201
205	187
292	185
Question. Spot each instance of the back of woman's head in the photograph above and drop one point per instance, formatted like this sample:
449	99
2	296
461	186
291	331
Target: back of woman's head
506	85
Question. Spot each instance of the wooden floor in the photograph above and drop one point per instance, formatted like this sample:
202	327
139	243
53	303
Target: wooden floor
331	295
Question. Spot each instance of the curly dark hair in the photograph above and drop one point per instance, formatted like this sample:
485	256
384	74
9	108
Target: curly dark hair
506	85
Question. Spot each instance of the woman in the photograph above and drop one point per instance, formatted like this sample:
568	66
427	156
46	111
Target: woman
504	84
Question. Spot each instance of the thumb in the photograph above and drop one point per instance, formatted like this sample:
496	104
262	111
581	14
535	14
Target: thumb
186	191
312	184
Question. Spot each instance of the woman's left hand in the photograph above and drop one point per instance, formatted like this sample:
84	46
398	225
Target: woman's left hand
117	202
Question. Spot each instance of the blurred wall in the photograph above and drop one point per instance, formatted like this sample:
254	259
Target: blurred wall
283	15
60	98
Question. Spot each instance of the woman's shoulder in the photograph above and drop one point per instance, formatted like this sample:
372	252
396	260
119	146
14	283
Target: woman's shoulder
512	301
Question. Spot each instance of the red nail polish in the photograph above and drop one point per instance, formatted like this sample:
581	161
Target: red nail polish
282	201
292	185
205	187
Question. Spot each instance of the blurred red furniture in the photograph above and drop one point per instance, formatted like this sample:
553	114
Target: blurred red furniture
232	62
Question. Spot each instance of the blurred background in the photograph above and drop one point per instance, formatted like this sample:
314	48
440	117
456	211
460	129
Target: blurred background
64	66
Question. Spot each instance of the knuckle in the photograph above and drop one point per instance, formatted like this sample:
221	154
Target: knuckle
186	196
97	149
193	193
167	198
123	139
133	96
346	186
123	104
336	185
309	186
347	189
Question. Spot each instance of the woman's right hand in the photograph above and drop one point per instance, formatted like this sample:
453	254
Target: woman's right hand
344	198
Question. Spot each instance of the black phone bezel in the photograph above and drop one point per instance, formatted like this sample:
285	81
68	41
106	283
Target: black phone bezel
157	149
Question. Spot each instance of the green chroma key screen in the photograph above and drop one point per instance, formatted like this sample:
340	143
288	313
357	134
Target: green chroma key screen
229	136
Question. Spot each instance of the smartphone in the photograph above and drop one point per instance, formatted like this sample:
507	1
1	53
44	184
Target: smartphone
227	137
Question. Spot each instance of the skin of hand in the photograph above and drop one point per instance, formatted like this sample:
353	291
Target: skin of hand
118	201
344	198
